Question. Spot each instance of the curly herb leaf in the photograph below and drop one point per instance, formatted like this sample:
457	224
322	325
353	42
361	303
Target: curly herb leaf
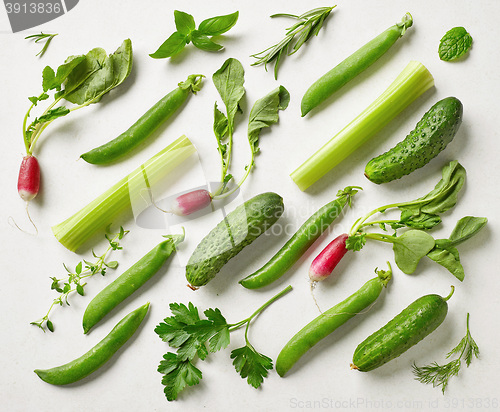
251	365
454	44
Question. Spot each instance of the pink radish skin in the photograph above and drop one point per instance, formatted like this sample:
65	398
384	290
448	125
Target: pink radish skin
191	202
28	182
322	266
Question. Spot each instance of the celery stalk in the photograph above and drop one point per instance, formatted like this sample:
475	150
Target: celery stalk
102	211
414	80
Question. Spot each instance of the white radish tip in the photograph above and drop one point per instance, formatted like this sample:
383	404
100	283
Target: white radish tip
26	195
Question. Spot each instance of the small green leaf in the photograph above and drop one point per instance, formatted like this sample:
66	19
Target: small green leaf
78	269
177	375
251	365
454	44
218	25
184	22
170	47
49	79
467	227
410	247
79	289
202	42
355	242
50	325
113	264
450	259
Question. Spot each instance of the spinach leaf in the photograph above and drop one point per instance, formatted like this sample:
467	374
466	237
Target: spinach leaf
264	113
454	44
424	212
446	254
410	247
216	26
184	22
229	80
449	258
100	74
170	47
202	42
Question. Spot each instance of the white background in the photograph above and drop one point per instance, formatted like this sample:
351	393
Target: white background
322	379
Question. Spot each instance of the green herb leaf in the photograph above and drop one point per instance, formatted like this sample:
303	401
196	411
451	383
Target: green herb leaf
251	365
355	242
218	25
42	37
410	247
229	80
202	42
423	213
177	375
449	258
184	22
170	47
102	73
264	113
467	227
454	44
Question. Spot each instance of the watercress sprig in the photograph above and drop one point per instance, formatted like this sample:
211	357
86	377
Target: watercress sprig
308	24
194	337
417	217
201	37
74	281
42	37
439	375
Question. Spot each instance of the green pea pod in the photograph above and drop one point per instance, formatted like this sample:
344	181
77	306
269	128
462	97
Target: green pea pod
128	282
97	356
146	125
302	240
329	321
408	328
353	65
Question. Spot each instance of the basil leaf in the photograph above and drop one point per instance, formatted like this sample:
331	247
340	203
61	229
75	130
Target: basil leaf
410	247
106	74
448	258
454	44
202	42
218	25
264	113
423	212
228	81
184	22
170	47
467	227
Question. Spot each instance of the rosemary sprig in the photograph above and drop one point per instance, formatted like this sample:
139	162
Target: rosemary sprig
73	282
42	37
308	24
438	375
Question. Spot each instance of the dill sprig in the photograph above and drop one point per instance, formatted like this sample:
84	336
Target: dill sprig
439	375
308	24
42	37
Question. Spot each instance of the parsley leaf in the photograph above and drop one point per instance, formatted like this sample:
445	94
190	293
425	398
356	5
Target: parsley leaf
454	44
251	365
177	374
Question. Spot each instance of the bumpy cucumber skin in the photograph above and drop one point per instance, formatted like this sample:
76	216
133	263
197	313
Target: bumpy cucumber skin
431	135
238	229
408	328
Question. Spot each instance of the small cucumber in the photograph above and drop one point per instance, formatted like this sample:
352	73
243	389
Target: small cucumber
408	328
237	230
431	135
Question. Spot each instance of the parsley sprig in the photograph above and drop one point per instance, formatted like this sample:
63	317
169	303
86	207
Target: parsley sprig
74	281
308	24
439	375
195	337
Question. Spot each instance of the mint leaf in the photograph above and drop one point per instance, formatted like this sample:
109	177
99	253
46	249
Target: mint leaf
184	22
170	47
251	365
454	44
218	25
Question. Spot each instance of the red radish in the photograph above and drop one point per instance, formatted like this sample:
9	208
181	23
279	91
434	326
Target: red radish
191	202
322	266
28	182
